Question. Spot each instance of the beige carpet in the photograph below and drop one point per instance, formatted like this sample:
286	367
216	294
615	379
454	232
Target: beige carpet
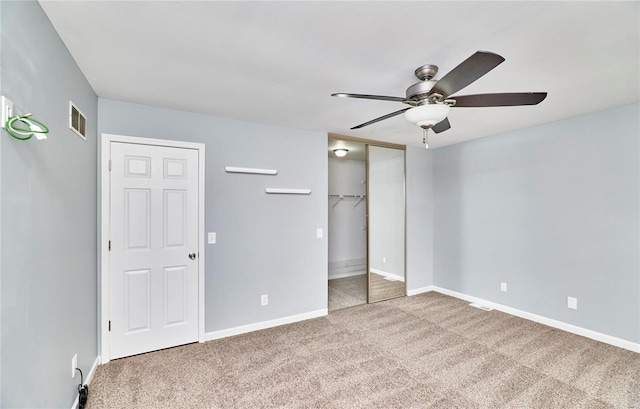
380	288
347	292
425	351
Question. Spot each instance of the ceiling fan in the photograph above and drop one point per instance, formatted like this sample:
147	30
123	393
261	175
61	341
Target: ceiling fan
431	99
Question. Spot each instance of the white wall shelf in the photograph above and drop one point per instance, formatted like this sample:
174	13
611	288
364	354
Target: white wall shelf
252	171
283	191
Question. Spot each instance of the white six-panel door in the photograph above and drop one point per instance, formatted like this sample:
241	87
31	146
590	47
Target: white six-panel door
153	266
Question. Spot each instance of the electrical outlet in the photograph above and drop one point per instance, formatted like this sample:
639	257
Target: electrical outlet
7	110
319	233
212	237
572	303
503	287
74	365
264	299
384	260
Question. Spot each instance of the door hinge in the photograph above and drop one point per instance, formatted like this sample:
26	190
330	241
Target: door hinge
109	165
109	325
109	245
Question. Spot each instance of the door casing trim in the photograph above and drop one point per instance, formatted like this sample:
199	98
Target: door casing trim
103	236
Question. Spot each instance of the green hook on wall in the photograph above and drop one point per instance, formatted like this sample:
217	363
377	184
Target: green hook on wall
35	127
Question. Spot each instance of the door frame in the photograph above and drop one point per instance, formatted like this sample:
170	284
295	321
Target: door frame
105	220
380	144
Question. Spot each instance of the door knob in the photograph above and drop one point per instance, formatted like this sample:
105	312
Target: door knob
192	256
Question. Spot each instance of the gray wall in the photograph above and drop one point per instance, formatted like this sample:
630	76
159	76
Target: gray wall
1	88
419	184
48	216
266	243
553	211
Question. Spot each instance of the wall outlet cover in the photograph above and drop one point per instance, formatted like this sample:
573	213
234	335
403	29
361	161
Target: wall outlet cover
572	303
319	232
503	287
264	299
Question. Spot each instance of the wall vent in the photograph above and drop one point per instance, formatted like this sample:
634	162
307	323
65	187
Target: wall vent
77	121
482	307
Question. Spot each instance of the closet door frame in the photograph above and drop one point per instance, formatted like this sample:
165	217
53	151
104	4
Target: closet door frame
403	148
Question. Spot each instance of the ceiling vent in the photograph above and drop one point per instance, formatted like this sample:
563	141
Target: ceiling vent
77	121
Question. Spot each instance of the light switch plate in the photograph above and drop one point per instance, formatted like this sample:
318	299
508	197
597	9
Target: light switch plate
74	365
7	109
212	238
319	233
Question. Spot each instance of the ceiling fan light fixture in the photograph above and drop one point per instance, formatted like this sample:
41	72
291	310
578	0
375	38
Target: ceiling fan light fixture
427	115
341	152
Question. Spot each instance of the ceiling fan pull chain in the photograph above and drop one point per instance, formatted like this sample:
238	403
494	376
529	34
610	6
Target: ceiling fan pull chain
425	138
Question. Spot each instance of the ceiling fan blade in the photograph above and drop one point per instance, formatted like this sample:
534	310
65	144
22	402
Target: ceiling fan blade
467	72
500	100
382	118
364	96
441	126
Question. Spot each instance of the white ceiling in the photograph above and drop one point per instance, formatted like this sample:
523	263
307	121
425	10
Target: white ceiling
278	62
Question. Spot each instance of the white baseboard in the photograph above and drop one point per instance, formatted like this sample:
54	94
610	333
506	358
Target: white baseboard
347	268
88	379
388	275
333	276
243	329
420	290
598	336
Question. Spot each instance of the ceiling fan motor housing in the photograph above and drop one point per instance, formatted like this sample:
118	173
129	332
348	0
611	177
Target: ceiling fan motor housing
420	90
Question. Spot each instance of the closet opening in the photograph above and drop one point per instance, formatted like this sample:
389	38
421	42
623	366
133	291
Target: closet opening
366	226
347	236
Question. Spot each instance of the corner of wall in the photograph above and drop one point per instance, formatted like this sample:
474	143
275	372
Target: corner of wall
419	196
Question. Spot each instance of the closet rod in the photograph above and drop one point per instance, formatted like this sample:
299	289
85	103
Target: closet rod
345	196
342	197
